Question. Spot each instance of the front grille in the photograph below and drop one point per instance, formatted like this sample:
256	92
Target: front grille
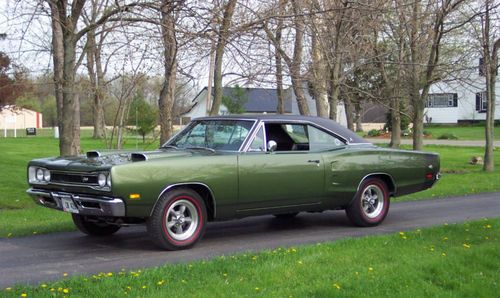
74	178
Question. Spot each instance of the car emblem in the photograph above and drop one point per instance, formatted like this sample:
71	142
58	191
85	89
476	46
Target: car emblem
85	179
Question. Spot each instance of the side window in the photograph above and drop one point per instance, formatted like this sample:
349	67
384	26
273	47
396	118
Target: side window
258	143
320	140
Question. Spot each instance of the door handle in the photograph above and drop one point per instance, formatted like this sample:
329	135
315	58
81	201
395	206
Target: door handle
316	161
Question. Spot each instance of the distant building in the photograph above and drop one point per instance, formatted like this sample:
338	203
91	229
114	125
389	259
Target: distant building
12	117
259	100
460	101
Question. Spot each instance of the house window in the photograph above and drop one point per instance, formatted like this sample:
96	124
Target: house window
442	100
481	102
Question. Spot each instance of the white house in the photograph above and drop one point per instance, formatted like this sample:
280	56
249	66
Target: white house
259	100
12	117
460	101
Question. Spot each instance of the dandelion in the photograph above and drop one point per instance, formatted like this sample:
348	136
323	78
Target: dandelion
129	288
224	274
401	233
370	269
404	237
466	246
300	262
488	226
65	274
43	286
65	291
144	287
183	281
337	286
445	238
443	254
161	282
257	289
110	274
24	295
52	289
190	266
254	258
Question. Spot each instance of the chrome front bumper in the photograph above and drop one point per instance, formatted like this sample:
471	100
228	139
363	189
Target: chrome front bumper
86	205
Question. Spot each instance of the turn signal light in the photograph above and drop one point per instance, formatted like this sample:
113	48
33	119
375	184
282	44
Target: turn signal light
134	196
429	176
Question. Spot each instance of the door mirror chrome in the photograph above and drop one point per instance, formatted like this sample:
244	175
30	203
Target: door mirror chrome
271	146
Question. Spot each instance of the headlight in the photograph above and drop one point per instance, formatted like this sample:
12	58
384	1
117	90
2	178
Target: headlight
101	179
39	174
108	180
46	175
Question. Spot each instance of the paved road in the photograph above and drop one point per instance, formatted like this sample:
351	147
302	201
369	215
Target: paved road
462	143
46	257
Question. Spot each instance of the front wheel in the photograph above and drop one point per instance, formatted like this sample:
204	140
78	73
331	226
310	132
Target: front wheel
178	220
370	205
94	228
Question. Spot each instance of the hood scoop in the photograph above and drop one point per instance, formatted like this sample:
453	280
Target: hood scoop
138	157
93	154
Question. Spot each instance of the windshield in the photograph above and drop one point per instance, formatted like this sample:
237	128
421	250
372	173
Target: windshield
212	134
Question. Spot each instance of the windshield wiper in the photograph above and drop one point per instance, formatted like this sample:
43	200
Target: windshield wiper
202	148
169	146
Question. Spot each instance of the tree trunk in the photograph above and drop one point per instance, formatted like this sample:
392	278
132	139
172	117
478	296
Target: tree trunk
93	59
395	122
296	63
358	118
319	78
280	109
349	113
219	54
167	93
334	91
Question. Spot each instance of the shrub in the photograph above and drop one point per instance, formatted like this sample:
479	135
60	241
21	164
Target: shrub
374	133
447	136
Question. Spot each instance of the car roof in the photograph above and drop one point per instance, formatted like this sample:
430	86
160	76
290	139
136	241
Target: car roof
325	123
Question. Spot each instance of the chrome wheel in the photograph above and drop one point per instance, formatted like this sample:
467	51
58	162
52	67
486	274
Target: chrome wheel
372	201
181	220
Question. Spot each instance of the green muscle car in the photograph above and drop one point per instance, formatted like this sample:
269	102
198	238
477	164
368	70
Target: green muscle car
228	167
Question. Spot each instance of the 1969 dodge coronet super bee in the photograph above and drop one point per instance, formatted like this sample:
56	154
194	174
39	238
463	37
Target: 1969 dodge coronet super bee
227	167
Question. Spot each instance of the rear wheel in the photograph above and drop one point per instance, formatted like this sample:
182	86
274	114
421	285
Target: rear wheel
178	220
93	227
370	205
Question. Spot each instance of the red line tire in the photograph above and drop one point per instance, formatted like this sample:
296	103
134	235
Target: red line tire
178	220
370	205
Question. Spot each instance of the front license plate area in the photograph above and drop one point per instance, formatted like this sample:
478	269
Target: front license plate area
69	205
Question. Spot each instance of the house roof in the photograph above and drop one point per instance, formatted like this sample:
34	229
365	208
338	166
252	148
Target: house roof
259	99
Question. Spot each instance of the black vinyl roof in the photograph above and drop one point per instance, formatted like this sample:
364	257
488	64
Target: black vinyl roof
328	124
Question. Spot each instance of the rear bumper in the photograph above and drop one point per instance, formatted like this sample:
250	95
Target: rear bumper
86	205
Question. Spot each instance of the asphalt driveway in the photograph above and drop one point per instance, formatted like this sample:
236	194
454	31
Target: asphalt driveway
46	257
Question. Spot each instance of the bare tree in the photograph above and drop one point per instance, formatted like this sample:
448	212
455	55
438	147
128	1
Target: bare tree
223	35
490	45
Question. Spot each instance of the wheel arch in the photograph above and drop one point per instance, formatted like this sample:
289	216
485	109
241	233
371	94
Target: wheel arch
203	190
387	178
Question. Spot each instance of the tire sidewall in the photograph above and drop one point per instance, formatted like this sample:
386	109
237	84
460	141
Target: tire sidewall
168	201
379	218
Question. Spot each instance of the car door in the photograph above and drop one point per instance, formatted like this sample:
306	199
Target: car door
290	177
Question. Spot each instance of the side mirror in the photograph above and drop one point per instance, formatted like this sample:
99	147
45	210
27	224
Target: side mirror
271	146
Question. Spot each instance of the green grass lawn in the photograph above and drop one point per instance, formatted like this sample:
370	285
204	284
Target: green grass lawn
19	216
447	261
462	132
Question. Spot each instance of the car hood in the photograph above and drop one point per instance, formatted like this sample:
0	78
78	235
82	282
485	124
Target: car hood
102	160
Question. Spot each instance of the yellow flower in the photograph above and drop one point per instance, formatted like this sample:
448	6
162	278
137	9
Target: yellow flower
224	274
129	288
370	269
401	233
161	282
487	226
443	254
404	237
190	266
144	287
465	245
110	274
300	263
337	286
257	289
43	286
254	258
65	291
65	274
445	238
52	289
24	295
